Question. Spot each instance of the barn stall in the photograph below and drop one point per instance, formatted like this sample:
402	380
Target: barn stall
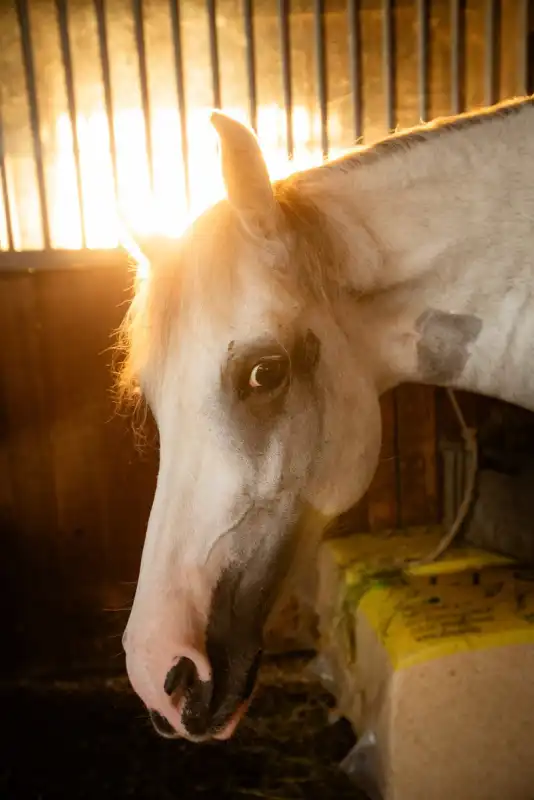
104	122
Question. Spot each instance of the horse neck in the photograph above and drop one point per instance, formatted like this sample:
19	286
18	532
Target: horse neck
446	227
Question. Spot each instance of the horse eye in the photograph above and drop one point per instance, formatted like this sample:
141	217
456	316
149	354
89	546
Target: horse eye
269	374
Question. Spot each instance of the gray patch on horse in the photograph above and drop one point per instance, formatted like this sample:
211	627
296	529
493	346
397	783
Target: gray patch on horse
444	345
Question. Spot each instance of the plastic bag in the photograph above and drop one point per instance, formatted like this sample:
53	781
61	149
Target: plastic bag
361	767
321	668
360	764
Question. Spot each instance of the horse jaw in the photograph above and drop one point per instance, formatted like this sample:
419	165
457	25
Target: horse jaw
351	422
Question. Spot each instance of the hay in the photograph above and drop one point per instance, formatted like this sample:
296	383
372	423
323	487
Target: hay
92	739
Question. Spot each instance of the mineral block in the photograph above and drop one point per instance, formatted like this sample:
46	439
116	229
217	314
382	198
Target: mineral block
432	665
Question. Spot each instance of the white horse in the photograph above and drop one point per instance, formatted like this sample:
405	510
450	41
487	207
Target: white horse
262	342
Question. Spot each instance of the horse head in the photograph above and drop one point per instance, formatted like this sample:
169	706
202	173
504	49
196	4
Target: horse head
263	408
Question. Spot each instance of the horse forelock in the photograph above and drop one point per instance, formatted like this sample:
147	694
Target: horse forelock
316	250
178	272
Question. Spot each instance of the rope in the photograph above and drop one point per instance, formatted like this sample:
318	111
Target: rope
469	436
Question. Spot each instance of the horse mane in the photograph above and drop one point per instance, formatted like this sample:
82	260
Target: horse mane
409	138
316	253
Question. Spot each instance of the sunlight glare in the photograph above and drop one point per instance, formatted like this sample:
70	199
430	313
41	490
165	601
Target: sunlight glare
132	201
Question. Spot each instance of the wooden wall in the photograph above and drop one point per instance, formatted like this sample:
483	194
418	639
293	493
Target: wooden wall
405	490
75	493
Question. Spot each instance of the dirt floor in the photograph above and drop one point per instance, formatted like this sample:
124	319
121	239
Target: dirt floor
92	740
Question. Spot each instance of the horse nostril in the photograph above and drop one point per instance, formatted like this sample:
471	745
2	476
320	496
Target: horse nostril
180	676
162	725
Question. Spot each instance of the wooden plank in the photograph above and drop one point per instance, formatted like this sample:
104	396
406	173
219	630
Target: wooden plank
417	452
7	499
14	261
29	578
104	491
75	493
11	572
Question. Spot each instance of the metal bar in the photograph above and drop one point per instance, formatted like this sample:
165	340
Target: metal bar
355	54
388	48
522	33
5	189
457	56
63	24
180	90
423	15
100	12
214	52
320	54
251	63
493	60
137	8
285	52
23	19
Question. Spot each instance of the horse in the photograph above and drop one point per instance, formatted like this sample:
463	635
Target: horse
262	341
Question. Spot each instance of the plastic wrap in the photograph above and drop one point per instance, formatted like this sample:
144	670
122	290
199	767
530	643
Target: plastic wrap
321	668
360	763
361	766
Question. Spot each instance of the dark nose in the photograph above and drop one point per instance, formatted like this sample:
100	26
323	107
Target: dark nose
162	725
239	607
209	705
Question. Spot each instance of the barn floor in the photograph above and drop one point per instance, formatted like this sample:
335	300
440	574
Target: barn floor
93	741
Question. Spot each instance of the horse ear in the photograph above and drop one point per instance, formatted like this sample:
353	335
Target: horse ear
247	182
